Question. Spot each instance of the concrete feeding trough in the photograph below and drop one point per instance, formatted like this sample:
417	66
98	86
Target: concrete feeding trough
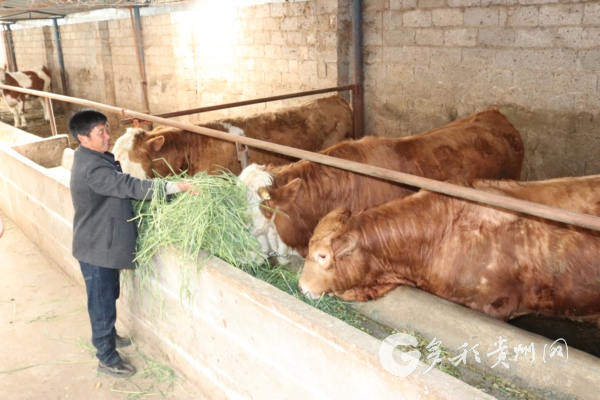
242	338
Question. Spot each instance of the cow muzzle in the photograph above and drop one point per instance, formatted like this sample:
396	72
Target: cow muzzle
308	293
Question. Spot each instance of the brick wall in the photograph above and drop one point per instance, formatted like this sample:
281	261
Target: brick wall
85	78
29	47
431	61
427	62
200	55
266	50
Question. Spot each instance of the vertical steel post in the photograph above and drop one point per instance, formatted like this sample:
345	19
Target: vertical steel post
357	67
61	62
50	111
134	12
11	48
6	49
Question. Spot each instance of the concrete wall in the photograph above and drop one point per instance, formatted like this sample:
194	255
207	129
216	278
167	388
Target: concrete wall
427	62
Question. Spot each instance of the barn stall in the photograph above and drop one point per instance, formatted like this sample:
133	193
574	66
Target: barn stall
418	82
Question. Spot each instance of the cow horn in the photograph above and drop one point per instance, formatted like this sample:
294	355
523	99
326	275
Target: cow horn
263	193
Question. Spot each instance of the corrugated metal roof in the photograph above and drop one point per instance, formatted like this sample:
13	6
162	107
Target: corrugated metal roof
19	10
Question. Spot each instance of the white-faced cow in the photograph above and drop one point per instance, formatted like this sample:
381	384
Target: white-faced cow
312	126
295	197
37	78
498	262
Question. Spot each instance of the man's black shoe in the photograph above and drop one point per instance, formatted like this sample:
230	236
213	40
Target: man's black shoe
122	369
122	341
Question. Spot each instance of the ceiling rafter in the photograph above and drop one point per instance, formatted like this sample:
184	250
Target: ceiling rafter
21	10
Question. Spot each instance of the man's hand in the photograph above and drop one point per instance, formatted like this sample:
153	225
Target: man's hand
186	186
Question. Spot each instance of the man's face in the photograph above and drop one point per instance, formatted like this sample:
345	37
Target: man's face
99	139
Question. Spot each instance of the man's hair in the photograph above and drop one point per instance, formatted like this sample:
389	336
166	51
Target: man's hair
84	121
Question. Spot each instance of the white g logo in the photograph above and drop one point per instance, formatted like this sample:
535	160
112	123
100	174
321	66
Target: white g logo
386	352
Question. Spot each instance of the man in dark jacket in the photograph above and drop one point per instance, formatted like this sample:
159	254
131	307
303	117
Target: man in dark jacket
103	239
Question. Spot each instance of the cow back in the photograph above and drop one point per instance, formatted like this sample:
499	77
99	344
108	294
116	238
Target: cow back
484	145
311	126
37	78
166	151
580	194
496	261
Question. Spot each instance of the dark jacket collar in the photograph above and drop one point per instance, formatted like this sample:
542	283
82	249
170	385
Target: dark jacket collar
108	156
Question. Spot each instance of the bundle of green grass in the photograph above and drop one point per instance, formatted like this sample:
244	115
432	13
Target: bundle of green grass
214	220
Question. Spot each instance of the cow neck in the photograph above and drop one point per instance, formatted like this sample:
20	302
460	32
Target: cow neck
404	232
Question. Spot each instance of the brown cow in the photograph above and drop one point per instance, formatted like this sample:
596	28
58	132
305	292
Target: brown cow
498	262
37	78
484	145
313	126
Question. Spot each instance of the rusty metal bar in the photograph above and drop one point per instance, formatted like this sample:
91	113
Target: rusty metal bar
12	58
137	38
7	51
50	112
509	203
245	103
59	54
357	68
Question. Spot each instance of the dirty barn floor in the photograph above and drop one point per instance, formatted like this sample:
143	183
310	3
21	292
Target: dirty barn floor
45	336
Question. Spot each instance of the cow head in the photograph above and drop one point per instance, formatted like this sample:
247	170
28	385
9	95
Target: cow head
263	207
256	180
123	151
335	263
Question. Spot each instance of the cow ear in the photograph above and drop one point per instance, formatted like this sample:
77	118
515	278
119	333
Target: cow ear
344	245
343	215
291	189
156	143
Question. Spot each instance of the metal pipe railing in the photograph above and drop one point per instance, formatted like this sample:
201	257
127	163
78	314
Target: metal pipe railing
245	103
510	203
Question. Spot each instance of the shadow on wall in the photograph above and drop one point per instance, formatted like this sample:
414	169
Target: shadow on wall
557	144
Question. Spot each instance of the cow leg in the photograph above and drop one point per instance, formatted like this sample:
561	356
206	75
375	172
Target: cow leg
46	115
20	112
11	104
15	112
